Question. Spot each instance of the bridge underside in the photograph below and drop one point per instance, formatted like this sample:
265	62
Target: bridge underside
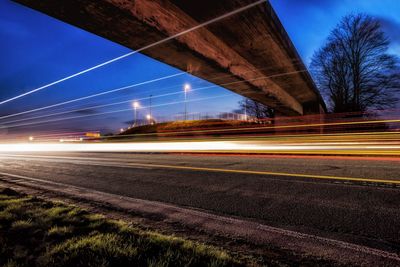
248	53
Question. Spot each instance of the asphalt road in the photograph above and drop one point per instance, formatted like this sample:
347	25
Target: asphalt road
350	199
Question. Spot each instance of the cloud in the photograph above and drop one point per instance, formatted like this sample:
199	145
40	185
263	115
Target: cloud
315	3
86	111
305	4
392	29
8	111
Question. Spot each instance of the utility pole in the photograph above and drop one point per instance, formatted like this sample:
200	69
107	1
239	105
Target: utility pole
186	88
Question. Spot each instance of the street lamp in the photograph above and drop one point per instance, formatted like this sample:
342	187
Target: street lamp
148	117
150	105
135	105
186	88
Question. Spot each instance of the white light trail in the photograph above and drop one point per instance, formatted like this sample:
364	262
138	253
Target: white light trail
126	101
92	96
136	51
104	113
91	147
202	146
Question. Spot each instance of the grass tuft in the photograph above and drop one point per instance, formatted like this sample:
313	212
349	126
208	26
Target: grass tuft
97	249
60	230
22	224
41	233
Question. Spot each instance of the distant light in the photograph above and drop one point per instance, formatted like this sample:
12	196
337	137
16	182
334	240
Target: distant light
121	130
31	138
187	87
61	140
92	134
148	116
135	104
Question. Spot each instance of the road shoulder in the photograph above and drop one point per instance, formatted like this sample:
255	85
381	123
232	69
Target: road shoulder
245	238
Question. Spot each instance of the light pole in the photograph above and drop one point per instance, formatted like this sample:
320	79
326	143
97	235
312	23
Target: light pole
150	105
186	88
148	116
135	105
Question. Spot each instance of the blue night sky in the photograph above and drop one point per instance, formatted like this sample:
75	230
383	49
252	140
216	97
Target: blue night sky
36	50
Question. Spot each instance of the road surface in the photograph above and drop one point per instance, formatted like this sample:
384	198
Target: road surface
351	199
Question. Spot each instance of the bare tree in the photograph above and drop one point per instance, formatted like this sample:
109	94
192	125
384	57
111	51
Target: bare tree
354	70
255	109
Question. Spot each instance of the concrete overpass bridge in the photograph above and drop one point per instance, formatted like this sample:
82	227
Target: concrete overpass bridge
248	53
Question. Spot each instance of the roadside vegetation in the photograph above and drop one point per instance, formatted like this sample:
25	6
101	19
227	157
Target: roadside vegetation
34	232
196	128
355	69
185	126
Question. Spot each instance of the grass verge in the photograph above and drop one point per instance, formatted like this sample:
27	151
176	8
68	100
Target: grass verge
186	126
34	232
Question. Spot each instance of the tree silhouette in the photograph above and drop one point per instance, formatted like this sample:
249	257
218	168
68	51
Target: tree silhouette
255	109
354	70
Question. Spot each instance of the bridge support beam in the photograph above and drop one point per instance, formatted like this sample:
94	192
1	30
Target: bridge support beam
248	53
